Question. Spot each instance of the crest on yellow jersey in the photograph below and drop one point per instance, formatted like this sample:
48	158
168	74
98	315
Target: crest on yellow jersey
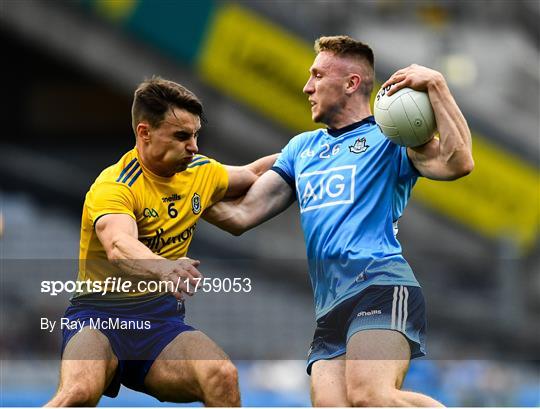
196	203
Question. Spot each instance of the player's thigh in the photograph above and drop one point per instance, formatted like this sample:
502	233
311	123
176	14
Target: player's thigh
377	360
88	363
180	371
328	386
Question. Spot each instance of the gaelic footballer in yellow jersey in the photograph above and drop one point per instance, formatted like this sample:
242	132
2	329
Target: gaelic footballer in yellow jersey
166	209
138	220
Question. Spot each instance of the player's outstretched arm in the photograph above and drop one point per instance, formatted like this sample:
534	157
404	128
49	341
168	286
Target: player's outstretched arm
449	156
266	198
242	177
118	234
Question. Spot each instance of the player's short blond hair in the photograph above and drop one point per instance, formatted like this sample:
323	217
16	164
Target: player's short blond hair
345	46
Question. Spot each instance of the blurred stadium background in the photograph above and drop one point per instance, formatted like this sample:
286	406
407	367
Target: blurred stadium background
69	71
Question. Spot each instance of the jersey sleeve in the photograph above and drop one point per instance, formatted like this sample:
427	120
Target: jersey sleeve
406	169
219	179
284	165
110	198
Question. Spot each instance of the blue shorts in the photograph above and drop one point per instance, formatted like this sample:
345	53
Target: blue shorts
137	330
399	308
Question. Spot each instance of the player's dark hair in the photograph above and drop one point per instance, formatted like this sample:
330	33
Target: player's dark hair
346	46
154	97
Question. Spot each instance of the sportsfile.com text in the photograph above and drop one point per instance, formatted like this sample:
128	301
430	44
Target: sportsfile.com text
119	285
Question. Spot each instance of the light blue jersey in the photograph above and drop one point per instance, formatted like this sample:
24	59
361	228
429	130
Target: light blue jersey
351	186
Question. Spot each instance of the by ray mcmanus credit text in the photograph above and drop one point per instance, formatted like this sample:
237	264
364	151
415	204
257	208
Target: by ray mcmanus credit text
109	323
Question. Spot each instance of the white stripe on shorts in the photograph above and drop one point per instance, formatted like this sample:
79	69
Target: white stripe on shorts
394	301
405	309
400	308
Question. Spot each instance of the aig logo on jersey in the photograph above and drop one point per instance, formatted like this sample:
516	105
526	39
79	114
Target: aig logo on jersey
326	188
196	203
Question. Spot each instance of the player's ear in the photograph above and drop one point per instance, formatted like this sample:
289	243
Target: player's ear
143	131
353	83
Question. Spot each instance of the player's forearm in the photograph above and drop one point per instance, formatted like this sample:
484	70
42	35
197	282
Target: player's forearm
455	148
228	216
261	165
241	178
133	258
268	196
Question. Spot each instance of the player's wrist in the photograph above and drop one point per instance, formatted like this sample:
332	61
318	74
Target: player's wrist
154	269
436	82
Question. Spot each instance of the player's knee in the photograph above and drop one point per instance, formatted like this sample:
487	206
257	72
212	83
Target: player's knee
223	376
319	400
77	395
369	396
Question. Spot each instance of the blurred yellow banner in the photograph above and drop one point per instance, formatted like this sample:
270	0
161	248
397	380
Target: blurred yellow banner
116	10
501	198
266	67
259	63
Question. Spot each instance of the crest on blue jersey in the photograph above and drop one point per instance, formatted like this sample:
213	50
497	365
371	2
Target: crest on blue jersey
359	146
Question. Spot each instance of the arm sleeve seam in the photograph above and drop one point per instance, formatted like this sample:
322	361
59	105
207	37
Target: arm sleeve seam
285	177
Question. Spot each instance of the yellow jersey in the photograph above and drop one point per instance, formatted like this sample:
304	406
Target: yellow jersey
166	210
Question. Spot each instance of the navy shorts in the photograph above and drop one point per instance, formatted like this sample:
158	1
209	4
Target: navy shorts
137	330
399	308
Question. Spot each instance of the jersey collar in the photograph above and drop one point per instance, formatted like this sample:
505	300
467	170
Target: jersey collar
338	132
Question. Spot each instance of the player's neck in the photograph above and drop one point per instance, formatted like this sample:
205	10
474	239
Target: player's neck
347	119
153	166
345	123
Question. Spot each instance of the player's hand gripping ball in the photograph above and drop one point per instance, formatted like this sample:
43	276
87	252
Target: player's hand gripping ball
406	117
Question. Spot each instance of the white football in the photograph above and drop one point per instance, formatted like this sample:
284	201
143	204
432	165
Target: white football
406	117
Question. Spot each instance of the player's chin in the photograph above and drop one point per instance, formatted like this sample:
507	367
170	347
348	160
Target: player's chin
181	167
318	118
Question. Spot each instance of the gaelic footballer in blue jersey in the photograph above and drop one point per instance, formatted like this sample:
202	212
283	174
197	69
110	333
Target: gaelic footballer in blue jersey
351	185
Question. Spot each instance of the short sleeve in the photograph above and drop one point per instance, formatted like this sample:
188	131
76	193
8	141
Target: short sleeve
284	165
406	170
109	198
219	179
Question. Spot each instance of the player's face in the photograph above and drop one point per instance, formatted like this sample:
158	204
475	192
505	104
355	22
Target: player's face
326	87
172	145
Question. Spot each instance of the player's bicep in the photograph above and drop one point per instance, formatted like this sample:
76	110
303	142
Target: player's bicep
427	161
112	227
269	196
